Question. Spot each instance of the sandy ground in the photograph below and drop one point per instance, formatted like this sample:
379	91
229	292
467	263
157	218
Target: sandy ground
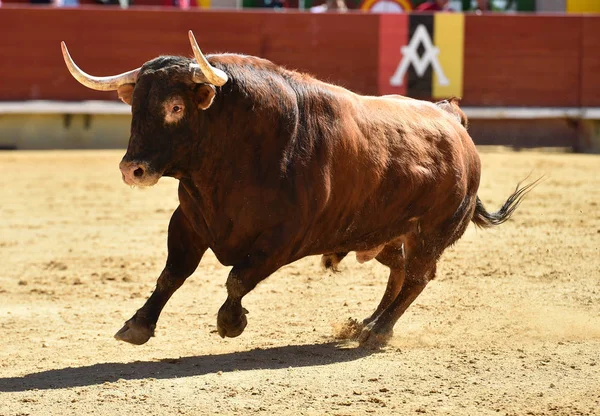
511	325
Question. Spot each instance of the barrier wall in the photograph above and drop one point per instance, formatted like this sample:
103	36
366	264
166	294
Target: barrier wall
522	61
338	48
489	60
590	61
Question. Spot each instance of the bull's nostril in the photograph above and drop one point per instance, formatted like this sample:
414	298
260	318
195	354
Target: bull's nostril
138	172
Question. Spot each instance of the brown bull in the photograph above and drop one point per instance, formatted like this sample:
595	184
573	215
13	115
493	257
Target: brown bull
274	165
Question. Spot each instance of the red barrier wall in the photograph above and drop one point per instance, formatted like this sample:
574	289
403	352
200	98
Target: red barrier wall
509	60
393	34
104	41
590	63
522	60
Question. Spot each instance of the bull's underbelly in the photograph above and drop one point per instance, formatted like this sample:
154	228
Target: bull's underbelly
300	239
366	227
366	241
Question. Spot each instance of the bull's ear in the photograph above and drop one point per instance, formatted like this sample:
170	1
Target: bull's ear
125	92
206	95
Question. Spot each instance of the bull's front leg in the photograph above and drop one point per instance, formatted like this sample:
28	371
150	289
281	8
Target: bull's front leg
269	254
185	252
231	319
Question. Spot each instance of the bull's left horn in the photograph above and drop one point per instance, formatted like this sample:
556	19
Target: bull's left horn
209	74
98	83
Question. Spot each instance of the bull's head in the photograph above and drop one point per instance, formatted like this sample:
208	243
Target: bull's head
163	94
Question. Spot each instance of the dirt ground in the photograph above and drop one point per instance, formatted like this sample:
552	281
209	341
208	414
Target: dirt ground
510	326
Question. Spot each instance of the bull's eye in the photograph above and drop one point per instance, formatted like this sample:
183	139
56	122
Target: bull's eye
173	109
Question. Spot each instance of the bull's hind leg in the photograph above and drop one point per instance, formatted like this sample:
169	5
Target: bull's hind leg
392	256
411	268
422	251
418	273
185	251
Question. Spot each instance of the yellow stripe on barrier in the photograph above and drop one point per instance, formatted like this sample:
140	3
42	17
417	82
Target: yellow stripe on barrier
449	37
583	6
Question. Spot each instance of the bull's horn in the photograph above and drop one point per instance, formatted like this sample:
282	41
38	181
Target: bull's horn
208	73
98	83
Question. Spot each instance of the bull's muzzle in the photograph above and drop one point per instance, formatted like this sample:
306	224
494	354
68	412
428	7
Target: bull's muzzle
136	173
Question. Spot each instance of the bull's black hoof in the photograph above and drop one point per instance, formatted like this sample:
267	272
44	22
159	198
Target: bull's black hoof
135	333
229	326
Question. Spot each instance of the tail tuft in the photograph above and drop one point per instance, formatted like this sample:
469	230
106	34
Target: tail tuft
484	219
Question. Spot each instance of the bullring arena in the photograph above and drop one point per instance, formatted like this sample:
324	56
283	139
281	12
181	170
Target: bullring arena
510	325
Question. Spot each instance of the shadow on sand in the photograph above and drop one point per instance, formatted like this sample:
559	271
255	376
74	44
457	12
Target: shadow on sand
257	359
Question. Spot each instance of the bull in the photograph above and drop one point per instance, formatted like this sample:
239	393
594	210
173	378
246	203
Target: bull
275	165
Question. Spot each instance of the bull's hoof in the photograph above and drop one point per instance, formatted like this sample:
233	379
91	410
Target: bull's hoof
135	332
372	338
231	326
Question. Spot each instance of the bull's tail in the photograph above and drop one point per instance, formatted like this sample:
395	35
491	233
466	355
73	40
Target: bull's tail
484	219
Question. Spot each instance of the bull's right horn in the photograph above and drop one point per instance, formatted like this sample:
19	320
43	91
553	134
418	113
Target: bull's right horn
98	83
208	73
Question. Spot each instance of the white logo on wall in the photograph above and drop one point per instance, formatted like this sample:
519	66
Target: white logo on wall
411	56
